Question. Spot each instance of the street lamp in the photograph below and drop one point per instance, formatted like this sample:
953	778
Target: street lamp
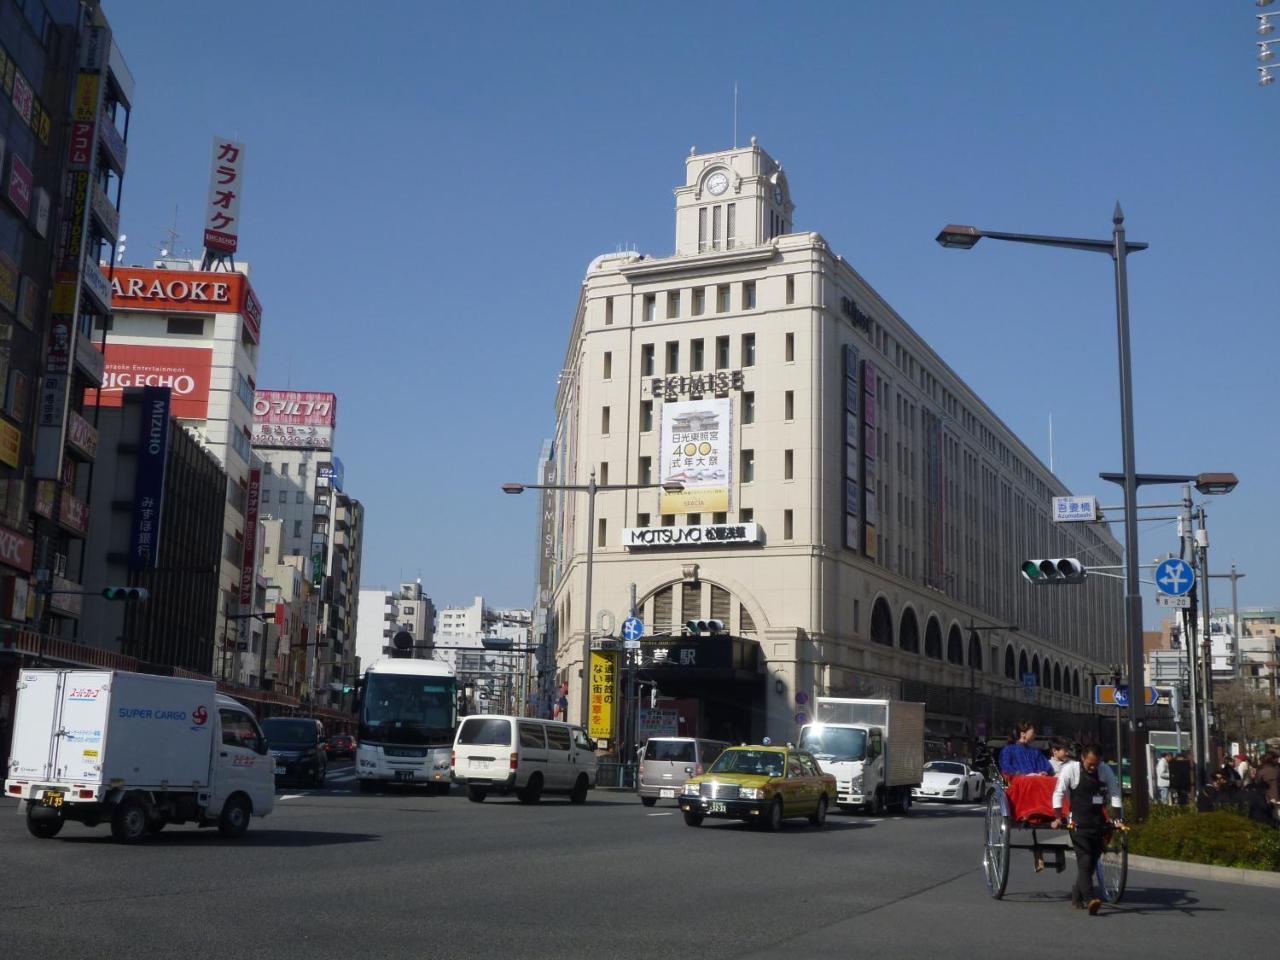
1118	248
591	488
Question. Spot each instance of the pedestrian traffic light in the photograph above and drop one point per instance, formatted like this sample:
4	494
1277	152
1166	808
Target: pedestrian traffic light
700	628
1042	572
125	593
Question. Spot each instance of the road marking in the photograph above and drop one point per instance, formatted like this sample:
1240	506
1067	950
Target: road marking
290	796
672	814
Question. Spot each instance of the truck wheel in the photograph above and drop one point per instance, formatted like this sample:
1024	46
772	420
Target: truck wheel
43	826
129	821
905	806
648	801
155	826
234	820
876	806
476	794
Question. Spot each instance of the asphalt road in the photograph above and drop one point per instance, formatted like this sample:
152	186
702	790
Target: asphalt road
337	873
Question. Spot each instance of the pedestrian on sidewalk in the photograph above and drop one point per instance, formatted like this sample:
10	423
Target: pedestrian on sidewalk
1162	778
1095	802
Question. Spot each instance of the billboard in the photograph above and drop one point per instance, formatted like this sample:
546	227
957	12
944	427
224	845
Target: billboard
294	418
603	696
186	291
222	212
148	484
249	560
697	451
184	370
334	472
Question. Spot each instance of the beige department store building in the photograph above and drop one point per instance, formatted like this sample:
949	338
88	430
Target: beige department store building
861	514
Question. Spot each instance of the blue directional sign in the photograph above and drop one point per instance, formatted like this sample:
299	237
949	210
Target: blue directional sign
632	628
1175	577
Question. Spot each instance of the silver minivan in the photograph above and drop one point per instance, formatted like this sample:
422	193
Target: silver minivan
667	762
523	755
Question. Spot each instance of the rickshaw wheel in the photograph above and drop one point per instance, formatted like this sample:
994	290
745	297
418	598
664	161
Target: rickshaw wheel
995	854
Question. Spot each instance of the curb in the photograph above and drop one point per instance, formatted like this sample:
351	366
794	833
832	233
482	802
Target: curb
1204	871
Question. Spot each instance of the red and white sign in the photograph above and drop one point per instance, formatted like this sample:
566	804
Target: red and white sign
80	151
185	370
15	549
21	184
294	418
252	496
222	212
186	291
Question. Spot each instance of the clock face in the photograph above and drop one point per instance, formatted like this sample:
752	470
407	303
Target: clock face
777	194
718	183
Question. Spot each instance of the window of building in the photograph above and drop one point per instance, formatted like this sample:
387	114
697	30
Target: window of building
303	468
788	464
186	326
284	469
790	348
284	496
722	298
731	225
746	515
720	517
244	390
789	405
604	420
300	497
699	301
608	311
602	538
604	472
650	306
702	229
748	349
748	466
642	519
673	357
696	358
646	360
646	416
668	520
673	304
297	528
791	289
241	444
749	406
644	470
608	365
715	228
103	322
749	295
787	525
693	520
267	468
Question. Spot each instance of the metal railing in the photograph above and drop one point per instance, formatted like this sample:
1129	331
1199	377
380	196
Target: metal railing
611	773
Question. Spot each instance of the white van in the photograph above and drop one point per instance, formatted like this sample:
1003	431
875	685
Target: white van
523	755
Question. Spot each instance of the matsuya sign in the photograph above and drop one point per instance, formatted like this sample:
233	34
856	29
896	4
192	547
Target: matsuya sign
723	534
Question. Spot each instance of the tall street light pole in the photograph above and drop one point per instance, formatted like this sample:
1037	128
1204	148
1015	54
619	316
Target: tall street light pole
590	488
1118	248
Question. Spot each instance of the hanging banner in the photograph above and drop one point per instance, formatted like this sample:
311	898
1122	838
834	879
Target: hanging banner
249	559
148	484
603	694
697	451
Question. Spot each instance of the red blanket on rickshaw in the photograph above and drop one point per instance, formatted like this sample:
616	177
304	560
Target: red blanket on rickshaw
1031	797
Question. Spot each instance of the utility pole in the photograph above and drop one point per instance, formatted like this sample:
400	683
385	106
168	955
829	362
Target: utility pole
1206	656
1191	637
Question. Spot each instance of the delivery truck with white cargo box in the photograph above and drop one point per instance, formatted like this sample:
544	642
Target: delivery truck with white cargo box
874	749
136	751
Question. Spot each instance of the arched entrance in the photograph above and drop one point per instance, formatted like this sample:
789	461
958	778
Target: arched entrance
955	646
882	623
909	631
933	639
975	652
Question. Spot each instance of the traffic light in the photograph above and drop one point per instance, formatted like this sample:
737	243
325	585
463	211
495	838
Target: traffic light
1042	572
125	593
700	628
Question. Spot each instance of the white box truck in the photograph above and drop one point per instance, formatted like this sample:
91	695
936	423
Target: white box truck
874	749
137	751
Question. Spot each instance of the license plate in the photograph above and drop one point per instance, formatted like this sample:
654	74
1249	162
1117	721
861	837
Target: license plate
666	793
480	764
718	806
280	771
52	798
404	774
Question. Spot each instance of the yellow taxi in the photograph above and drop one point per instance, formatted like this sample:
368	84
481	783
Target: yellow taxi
760	784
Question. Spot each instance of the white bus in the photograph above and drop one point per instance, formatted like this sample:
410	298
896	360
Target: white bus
408	715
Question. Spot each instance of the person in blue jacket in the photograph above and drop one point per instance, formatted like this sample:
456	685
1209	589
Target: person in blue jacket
1021	757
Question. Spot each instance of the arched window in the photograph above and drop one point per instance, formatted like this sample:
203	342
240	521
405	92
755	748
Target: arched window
1022	664
933	639
1057	677
881	623
1010	668
1035	667
1075	683
975	652
909	631
955	646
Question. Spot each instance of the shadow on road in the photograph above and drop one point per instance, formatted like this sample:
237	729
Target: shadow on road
1137	900
254	838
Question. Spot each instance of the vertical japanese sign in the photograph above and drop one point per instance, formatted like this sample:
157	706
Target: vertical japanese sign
603	699
249	559
697	452
870	484
222	212
852	461
148	484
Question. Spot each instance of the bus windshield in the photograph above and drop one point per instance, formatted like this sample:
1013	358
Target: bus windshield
397	708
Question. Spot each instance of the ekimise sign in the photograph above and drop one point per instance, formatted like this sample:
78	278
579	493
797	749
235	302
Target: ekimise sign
186	291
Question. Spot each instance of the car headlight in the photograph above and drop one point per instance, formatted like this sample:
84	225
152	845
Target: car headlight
751	793
690	790
955	782
855	783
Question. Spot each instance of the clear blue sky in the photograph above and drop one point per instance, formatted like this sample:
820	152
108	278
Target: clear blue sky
427	182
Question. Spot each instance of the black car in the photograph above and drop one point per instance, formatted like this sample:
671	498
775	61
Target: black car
341	745
298	747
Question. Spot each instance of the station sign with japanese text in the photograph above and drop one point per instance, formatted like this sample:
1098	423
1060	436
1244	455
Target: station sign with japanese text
1075	509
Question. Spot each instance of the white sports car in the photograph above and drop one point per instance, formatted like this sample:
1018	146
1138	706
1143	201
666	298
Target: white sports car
950	780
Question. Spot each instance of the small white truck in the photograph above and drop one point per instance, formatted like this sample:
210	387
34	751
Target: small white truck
874	749
137	751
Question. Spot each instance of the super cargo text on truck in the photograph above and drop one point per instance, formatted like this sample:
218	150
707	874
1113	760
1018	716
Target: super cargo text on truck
137	751
874	749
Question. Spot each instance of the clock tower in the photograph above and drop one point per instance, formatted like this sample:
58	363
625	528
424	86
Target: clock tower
731	199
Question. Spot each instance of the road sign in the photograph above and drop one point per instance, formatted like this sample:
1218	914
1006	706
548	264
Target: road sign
1075	509
1029	680
1108	695
1174	577
632	628
1168	600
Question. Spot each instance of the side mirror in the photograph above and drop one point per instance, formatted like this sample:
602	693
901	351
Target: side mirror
688	771
260	747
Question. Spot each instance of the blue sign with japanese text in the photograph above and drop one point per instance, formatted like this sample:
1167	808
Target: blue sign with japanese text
148	484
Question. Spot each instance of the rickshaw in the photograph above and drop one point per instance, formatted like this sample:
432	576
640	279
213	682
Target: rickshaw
1025	803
